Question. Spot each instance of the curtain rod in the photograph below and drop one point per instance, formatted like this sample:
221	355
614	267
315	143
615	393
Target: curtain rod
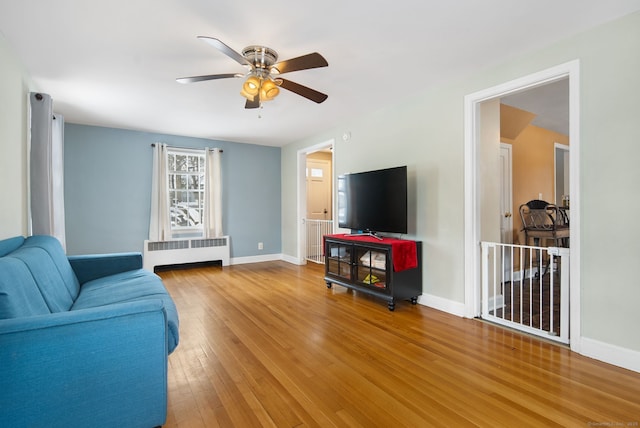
40	97
186	148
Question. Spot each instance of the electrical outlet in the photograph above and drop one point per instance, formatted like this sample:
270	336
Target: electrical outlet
260	246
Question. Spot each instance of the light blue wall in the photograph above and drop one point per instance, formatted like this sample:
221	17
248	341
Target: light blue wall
108	190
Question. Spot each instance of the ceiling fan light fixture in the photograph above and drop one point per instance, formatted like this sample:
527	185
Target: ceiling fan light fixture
251	86
269	90
262	81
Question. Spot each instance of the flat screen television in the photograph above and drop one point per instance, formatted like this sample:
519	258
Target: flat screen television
373	201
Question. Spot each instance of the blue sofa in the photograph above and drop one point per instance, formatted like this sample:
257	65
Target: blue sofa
84	340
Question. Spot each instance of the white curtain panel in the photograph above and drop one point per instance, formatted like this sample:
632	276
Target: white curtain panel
212	224
159	222
46	168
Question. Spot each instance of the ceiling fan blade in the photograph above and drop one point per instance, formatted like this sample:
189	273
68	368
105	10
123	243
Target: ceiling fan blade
253	104
226	50
304	62
194	79
304	91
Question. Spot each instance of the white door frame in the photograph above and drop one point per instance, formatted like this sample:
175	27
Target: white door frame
506	186
302	193
472	178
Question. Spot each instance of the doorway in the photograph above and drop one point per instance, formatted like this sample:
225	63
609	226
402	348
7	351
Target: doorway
319	213
315	187
474	178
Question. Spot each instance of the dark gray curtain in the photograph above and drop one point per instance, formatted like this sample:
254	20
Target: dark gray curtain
46	166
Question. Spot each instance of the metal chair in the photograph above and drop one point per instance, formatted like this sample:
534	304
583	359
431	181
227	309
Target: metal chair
543	221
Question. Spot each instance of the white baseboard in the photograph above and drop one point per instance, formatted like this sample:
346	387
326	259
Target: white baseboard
442	304
610	354
255	259
293	260
267	258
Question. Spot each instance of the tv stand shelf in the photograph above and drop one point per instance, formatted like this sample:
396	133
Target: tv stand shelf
367	266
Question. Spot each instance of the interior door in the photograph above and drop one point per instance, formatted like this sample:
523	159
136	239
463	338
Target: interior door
318	205
318	190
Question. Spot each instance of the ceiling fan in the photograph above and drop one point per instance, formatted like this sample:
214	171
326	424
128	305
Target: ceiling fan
263	79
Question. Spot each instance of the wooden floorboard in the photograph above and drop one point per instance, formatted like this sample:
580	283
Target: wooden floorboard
269	345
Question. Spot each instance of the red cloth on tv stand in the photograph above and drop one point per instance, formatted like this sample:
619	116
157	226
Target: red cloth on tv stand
403	251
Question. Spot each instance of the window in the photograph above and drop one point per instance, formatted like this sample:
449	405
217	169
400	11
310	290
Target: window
186	193
186	187
316	172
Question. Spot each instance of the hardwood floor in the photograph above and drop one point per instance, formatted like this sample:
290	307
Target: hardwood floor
268	345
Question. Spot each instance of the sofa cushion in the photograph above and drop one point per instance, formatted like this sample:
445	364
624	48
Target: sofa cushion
52	247
139	284
44	272
19	293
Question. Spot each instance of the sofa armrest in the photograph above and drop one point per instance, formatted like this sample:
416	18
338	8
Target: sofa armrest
103	366
89	267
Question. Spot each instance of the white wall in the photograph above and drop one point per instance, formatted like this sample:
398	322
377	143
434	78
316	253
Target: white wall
611	231
426	133
14	87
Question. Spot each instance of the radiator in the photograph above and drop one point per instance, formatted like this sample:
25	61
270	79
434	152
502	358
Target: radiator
181	251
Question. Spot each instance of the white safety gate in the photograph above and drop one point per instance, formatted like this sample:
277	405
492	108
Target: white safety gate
527	288
316	229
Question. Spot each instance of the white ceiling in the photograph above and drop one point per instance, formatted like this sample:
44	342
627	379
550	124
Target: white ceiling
114	63
550	104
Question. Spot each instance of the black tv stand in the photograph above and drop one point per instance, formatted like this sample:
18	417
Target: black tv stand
367	266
